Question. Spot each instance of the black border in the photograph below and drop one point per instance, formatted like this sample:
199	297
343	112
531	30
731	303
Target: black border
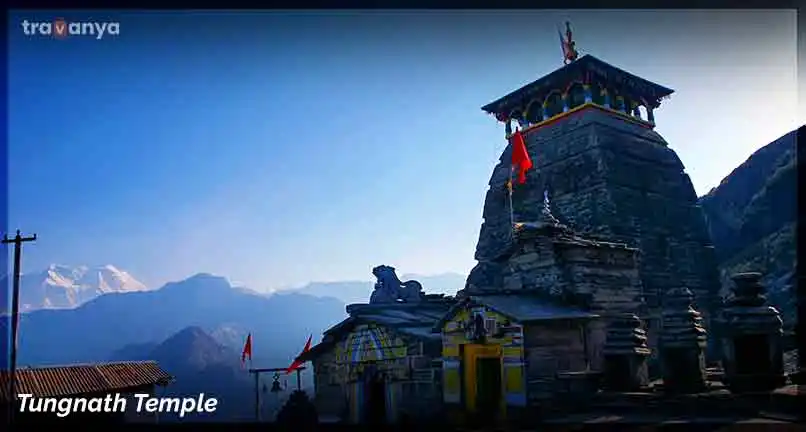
5	285
416	4
409	4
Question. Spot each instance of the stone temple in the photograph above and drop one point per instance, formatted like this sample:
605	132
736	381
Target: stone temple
580	301
589	130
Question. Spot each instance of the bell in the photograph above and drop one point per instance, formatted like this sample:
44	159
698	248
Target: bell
275	387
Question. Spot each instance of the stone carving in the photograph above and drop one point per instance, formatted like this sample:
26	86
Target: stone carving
389	288
625	353
682	344
753	338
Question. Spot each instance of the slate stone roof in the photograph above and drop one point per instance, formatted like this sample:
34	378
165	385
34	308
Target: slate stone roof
586	63
73	380
523	308
410	319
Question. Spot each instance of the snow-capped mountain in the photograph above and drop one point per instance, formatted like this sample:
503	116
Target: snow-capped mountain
64	287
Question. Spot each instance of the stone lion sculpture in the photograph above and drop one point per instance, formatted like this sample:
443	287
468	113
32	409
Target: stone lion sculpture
389	288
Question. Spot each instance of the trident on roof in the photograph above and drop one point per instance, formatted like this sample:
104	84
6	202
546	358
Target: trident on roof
568	45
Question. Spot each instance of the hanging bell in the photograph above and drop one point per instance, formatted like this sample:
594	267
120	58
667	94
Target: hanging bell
275	386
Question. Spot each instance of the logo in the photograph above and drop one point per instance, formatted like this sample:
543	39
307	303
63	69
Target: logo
60	28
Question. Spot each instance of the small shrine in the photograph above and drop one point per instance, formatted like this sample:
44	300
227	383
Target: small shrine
540	331
682	344
753	338
625	355
378	365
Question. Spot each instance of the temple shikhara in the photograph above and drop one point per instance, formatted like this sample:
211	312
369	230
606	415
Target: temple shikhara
594	274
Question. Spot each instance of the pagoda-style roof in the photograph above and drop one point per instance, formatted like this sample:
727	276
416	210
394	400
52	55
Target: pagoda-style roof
587	65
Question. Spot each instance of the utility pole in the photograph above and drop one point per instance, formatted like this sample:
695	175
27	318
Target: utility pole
18	240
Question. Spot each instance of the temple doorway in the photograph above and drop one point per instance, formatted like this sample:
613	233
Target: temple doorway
482	387
488	389
375	400
751	354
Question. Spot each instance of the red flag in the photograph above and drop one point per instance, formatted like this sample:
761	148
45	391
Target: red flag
247	349
296	364
520	157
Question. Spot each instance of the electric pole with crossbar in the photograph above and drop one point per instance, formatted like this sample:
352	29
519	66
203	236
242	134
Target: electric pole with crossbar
18	240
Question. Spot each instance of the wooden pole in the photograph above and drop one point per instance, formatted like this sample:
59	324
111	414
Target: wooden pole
299	379
257	396
257	373
18	240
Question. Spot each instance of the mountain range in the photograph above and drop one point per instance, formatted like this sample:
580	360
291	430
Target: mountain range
201	364
359	291
752	216
60	286
66	287
280	323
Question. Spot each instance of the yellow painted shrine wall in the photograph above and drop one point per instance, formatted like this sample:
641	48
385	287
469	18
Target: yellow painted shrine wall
458	350
370	345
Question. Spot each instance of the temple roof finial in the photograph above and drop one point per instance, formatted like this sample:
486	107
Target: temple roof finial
546	218
568	45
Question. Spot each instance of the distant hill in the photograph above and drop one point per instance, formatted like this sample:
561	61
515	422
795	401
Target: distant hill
200	364
60	286
752	215
280	323
359	291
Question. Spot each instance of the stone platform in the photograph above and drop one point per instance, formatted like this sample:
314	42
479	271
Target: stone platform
716	406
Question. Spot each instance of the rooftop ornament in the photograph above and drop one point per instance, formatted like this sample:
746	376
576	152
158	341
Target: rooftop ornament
568	45
390	289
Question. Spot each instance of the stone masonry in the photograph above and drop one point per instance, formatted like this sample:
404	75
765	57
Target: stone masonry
550	260
614	180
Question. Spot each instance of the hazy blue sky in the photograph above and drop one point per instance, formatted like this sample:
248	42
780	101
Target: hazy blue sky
280	148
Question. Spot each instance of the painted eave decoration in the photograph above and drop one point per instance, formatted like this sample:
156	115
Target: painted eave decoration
587	63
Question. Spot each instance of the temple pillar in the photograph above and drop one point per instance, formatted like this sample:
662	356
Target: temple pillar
620	104
546	110
682	344
753	338
565	102
650	114
606	96
540	113
588	95
625	353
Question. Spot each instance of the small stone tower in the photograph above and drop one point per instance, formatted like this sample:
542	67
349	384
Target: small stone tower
589	130
625	353
682	344
753	338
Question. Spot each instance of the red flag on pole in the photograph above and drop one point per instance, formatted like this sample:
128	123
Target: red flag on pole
520	157
296	364
247	349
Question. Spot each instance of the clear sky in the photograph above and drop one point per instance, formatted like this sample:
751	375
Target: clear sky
280	148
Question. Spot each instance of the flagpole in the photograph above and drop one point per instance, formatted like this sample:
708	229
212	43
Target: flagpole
509	183
511	207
